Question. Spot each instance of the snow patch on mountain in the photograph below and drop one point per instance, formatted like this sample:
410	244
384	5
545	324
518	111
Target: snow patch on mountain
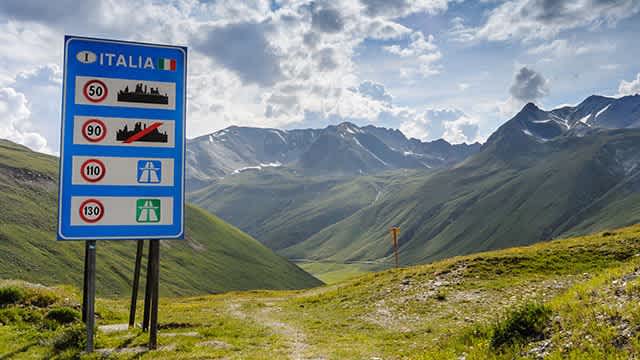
279	135
602	110
369	151
257	167
585	119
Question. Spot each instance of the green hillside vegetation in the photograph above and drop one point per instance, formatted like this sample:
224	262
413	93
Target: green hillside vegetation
510	194
281	208
567	299
330	272
214	257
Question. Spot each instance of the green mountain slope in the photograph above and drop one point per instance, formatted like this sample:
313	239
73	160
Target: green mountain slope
281	208
572	298
514	192
214	257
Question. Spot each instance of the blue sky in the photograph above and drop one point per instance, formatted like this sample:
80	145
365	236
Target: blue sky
432	68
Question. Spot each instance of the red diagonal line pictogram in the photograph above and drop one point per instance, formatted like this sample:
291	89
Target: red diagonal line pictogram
142	133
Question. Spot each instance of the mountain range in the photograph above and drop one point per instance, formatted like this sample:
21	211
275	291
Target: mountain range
343	149
541	175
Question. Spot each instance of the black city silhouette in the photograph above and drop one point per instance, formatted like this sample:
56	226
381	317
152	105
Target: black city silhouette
153	136
142	94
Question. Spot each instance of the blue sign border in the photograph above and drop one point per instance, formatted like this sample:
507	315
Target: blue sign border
68	149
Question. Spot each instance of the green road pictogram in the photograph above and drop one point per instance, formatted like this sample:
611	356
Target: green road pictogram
148	210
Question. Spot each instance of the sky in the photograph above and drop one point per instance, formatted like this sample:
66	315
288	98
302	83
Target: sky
432	68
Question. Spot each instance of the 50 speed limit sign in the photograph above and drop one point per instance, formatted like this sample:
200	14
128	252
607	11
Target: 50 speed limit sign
95	90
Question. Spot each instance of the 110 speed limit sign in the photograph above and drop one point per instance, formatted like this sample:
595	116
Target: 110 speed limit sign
93	170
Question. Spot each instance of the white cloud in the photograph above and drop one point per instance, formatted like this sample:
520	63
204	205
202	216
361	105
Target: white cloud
565	48
542	19
464	129
422	52
452	125
386	30
399	8
375	91
14	121
459	32
629	87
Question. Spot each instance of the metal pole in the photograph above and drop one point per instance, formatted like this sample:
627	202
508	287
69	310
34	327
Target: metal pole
153	331
91	293
85	277
147	292
136	284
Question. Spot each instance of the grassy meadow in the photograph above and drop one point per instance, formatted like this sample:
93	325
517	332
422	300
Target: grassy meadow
571	298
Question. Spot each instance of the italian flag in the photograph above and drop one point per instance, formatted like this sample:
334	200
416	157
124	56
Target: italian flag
167	64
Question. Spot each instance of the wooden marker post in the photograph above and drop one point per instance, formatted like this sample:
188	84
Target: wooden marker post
136	284
394	238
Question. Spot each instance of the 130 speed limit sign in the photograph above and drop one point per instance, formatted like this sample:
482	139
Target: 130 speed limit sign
91	211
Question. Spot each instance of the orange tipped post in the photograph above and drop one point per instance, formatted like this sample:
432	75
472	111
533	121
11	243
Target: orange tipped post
395	231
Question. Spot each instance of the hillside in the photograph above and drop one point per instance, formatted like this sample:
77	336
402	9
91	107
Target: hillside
517	190
288	208
571	298
214	257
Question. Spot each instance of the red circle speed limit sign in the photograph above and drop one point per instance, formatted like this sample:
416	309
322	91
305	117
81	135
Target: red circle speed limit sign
91	210
95	91
92	170
94	130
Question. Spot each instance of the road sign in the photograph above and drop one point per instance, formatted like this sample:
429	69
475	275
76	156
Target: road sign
123	141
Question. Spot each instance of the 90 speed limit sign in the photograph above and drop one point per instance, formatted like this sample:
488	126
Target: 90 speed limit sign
94	130
95	90
91	211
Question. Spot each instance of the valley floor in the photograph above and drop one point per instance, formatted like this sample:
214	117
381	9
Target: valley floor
572	298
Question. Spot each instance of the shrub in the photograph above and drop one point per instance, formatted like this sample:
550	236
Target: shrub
63	315
72	337
11	295
31	316
10	315
441	295
41	298
524	323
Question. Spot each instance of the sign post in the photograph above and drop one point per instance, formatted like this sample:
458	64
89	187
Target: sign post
122	150
136	283
154	258
91	293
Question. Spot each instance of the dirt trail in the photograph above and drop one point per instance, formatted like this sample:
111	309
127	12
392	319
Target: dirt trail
294	337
